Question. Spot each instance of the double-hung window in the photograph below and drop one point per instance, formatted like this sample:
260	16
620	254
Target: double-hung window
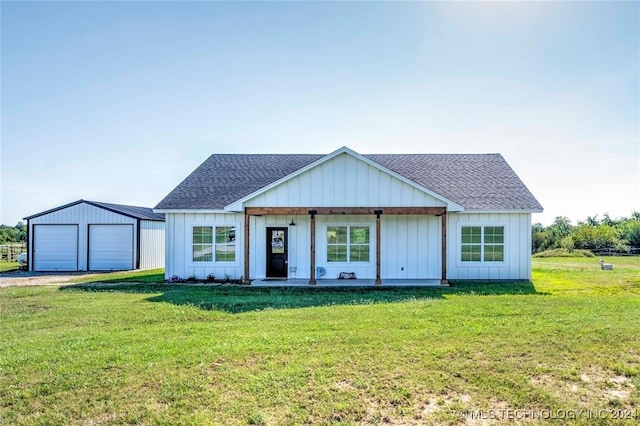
482	244
348	243
208	240
225	243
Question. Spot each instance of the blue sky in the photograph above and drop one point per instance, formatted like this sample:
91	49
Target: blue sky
119	101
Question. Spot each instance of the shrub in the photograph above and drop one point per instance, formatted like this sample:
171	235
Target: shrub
567	243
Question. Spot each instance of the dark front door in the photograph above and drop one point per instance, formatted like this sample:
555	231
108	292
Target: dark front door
277	252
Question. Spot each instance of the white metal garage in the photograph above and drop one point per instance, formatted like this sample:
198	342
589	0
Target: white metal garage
89	235
55	248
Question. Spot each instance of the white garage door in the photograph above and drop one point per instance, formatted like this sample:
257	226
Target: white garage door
55	247
110	247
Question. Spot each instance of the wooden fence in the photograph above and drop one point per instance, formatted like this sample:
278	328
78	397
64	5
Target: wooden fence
633	251
10	252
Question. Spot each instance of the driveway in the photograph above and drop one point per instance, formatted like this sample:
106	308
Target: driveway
25	278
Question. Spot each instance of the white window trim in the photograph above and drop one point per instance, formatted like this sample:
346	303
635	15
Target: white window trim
213	262
481	262
372	243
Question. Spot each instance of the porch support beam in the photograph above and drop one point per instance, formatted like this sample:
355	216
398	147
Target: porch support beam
247	226
378	280
443	218
257	211
312	275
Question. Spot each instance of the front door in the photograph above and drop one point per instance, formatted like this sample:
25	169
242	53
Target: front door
276	252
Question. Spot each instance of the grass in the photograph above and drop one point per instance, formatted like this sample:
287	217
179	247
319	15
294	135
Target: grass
136	276
8	266
172	354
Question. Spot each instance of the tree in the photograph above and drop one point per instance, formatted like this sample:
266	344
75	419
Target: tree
13	234
560	227
631	232
595	237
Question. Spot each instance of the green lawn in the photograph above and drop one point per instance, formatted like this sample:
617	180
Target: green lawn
8	266
172	354
137	276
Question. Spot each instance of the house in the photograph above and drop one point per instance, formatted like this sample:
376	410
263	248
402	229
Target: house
94	236
383	218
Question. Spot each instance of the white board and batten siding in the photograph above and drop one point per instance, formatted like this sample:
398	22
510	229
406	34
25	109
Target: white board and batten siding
410	245
152	242
324	186
179	245
517	247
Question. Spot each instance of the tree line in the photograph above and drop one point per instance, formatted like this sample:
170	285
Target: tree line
13	234
620	235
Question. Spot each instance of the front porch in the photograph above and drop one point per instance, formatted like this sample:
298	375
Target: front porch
376	255
297	282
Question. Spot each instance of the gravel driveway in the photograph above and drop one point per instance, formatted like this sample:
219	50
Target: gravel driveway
24	278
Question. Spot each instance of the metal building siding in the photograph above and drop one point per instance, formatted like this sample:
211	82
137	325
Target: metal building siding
341	182
152	243
517	247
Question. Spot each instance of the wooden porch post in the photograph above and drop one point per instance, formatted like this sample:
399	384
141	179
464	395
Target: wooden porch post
444	248
312	276
247	224
378	280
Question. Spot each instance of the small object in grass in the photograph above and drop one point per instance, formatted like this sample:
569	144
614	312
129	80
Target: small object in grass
22	260
606	266
347	276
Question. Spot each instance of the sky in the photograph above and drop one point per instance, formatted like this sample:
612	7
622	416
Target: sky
119	101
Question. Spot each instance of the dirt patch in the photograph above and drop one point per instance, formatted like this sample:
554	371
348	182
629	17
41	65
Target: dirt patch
593	386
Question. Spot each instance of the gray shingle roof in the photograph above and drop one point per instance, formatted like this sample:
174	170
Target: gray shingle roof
475	181
144	213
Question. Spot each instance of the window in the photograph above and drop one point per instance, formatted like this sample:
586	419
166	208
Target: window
493	243
482	244
471	243
359	244
225	243
348	243
204	245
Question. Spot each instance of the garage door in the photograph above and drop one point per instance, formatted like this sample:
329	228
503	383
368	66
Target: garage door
55	247
110	247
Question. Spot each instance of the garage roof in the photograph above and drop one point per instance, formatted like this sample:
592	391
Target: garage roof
143	213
